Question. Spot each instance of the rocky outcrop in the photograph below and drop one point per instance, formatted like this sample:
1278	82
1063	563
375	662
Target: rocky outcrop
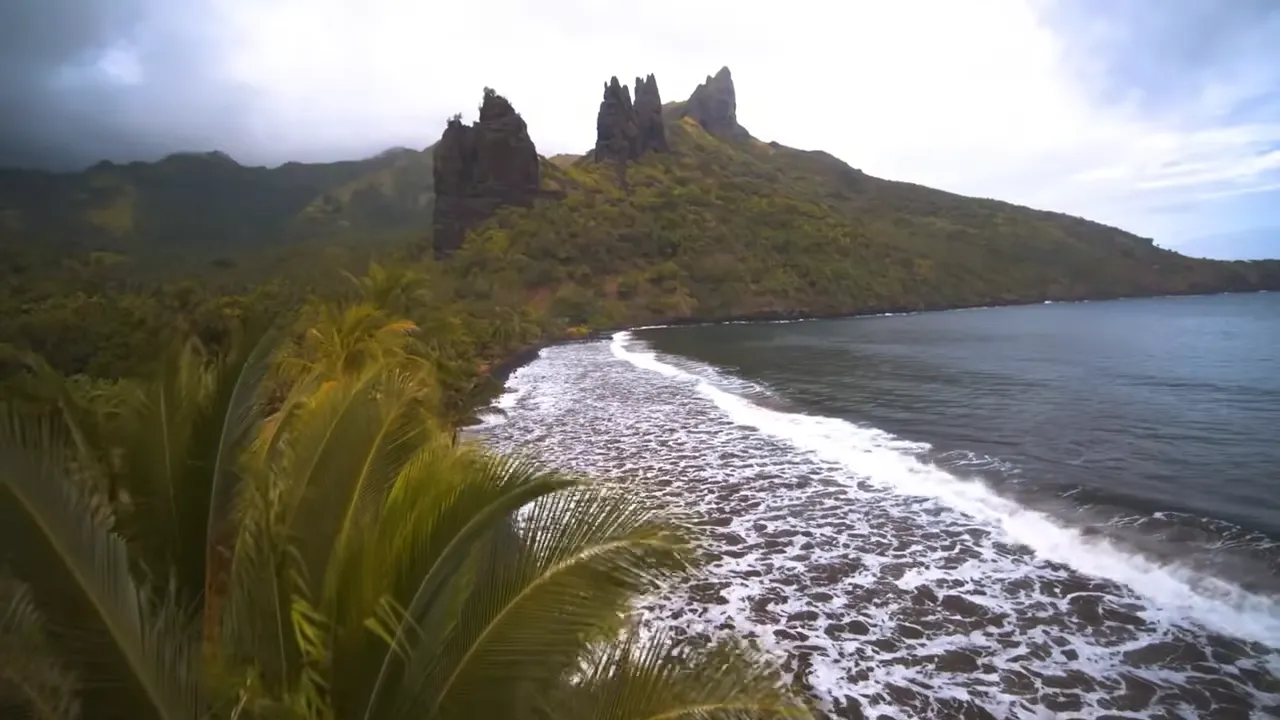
651	134
615	124
714	106
625	131
480	168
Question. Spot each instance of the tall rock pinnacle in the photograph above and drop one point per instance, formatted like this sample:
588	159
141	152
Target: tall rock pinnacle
480	168
625	131
714	105
651	133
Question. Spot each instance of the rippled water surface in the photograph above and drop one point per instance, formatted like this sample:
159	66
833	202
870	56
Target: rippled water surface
1064	510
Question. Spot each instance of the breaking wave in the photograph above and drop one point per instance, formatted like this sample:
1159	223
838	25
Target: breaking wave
889	581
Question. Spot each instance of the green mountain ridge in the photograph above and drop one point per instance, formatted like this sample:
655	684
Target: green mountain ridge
100	266
196	207
724	224
742	228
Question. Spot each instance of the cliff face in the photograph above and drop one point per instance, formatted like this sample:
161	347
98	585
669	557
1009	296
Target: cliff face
480	168
714	105
625	131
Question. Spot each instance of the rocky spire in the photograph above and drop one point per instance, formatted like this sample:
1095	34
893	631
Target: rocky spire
479	168
714	105
615	123
625	131
651	134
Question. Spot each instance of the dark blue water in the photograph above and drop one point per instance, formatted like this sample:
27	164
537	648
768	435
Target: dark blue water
1165	411
1065	510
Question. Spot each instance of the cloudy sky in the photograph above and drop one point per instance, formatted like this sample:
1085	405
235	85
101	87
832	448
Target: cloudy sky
1160	116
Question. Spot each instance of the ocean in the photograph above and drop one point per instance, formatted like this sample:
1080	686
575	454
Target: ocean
1060	510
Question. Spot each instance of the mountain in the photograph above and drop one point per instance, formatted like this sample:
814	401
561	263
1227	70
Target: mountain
698	219
196	207
677	211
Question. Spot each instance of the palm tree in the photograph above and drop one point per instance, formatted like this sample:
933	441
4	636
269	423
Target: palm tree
333	556
397	289
33	679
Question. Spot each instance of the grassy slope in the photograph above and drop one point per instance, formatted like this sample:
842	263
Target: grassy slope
717	229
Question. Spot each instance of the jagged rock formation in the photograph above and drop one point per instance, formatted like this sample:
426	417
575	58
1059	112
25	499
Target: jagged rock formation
480	168
625	131
714	106
651	134
615	123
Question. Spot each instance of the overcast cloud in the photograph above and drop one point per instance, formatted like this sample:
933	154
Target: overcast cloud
1160	116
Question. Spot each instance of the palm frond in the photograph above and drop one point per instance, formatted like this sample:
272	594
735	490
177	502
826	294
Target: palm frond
162	512
255	621
330	443
649	677
583	555
51	388
32	675
140	642
233	414
447	506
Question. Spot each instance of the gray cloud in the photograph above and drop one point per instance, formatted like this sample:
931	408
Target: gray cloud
58	108
1163	55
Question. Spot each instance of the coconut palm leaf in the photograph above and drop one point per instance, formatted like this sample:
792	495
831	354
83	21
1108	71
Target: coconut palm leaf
255	621
232	415
164	500
448	505
79	572
320	496
583	555
315	484
53	390
337	454
396	289
34	681
174	448
643	676
346	339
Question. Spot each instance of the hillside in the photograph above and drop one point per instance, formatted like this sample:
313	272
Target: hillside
189	209
676	213
720	224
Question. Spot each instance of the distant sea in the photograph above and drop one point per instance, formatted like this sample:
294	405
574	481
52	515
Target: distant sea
1058	510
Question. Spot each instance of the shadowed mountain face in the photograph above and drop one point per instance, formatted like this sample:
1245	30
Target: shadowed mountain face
197	207
677	208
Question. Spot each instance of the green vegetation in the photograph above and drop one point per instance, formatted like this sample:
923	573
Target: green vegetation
99	264
189	210
198	523
286	530
719	229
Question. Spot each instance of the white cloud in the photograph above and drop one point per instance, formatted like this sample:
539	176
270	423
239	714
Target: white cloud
976	97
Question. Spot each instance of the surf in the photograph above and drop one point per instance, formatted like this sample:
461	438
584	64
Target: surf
894	463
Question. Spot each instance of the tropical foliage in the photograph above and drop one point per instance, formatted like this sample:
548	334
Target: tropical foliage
98	265
283	530
720	229
202	519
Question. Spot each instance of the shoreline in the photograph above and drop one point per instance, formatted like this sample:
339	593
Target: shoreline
502	370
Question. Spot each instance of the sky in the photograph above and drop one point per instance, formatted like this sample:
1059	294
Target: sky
1158	116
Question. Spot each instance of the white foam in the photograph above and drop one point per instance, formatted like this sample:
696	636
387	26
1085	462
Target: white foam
894	463
513	389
